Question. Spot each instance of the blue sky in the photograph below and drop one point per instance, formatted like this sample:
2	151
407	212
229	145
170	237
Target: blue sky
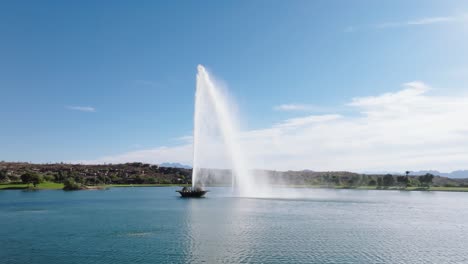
91	79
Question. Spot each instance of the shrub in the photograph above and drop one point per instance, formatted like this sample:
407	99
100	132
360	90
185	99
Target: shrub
4	176
49	177
69	184
151	180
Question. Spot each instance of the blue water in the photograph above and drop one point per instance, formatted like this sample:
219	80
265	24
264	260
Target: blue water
154	225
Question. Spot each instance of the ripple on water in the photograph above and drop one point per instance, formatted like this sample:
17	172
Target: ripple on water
139	234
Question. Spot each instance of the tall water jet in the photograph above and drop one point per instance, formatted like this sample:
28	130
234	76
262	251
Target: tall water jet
214	116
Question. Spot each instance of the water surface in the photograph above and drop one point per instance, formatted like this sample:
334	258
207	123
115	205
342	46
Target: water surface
154	225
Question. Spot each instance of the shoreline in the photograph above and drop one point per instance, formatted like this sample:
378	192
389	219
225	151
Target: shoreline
59	186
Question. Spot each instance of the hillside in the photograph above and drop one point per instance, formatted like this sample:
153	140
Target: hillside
128	173
140	173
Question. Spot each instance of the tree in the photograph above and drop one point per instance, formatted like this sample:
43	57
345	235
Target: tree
139	179
426	180
403	181
364	179
36	179
379	182
116	179
354	181
70	184
152	180
102	179
49	178
335	179
31	177
326	179
26	178
59	177
388	180
14	178
3	176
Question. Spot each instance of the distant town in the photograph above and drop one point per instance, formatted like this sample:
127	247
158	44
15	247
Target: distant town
18	175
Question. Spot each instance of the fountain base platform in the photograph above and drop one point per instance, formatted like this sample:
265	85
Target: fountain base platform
189	192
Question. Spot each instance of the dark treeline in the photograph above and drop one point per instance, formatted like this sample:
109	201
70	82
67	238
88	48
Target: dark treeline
75	175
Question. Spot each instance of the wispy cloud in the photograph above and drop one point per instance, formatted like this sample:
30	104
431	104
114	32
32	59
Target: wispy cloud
413	22
302	121
82	108
411	91
299	107
408	129
433	20
421	22
185	139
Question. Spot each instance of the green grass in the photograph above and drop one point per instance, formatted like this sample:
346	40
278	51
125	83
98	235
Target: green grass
41	186
450	189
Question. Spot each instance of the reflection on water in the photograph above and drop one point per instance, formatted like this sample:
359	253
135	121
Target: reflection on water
219	232
154	225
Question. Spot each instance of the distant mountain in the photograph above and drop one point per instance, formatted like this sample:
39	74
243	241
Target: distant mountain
175	165
458	174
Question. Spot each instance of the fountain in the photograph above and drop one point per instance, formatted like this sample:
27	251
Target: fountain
216	134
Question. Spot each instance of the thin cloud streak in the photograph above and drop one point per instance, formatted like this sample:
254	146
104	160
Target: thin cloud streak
185	139
432	20
299	107
415	22
420	22
302	121
82	108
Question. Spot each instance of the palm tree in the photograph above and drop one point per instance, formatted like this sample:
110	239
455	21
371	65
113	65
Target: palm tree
407	178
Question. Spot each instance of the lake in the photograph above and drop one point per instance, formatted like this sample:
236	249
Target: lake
154	225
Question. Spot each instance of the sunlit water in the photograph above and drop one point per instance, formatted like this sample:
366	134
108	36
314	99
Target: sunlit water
154	225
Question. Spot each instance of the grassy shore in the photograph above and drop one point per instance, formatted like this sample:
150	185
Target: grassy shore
59	186
393	188
438	188
148	185
41	186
